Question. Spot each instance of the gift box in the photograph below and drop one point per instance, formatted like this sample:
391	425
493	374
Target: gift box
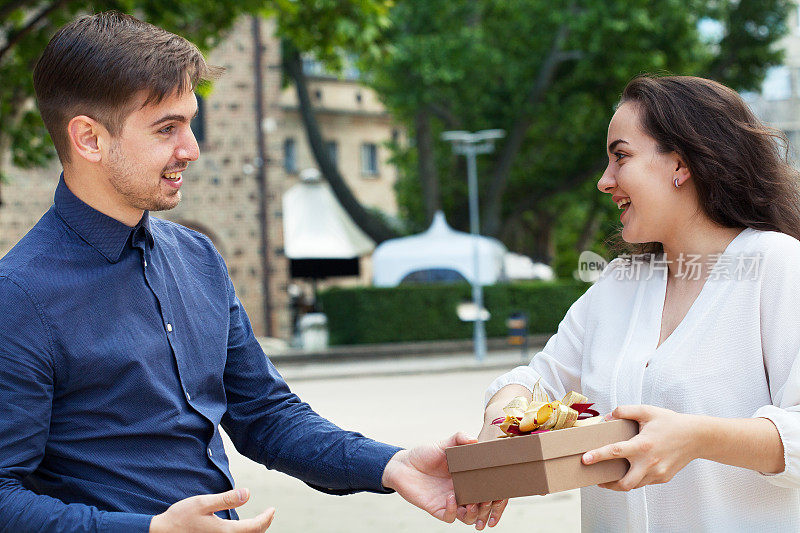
539	463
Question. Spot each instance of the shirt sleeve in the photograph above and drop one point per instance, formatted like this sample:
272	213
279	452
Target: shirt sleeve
271	425
559	363
26	395
780	338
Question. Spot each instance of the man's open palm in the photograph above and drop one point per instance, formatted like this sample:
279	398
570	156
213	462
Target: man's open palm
197	514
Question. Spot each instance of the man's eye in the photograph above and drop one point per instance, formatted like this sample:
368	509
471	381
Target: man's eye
166	129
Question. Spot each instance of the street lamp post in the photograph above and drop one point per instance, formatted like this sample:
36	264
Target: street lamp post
470	145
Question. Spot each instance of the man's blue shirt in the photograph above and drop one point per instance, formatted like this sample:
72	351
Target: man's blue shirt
122	351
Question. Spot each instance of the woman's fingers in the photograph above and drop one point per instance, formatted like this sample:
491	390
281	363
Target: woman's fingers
616	450
631	480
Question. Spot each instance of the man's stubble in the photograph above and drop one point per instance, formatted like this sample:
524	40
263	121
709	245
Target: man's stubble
135	188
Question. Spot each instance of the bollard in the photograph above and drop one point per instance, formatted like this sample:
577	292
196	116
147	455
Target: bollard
518	331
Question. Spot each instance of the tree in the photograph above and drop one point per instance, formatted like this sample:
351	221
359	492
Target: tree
25	29
324	28
330	29
549	74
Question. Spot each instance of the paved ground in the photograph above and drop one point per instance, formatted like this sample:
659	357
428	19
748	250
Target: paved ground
403	409
496	362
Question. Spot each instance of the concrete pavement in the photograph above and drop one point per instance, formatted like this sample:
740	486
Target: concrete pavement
404	403
400	359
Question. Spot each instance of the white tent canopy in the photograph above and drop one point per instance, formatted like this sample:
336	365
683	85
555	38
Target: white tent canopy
440	247
522	267
315	226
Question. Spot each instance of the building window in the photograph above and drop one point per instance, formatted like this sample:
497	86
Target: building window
332	147
797	19
312	67
369	159
290	155
777	84
198	123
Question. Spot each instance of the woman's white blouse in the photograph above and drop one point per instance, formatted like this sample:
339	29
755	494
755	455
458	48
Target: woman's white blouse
735	354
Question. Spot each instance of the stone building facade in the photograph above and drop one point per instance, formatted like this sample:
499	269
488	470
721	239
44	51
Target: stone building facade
778	103
233	192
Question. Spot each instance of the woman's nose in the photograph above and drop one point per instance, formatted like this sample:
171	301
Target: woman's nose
606	183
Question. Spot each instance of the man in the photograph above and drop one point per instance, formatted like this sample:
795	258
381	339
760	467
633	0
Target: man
124	347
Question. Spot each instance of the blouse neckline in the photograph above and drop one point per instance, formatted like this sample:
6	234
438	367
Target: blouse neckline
696	310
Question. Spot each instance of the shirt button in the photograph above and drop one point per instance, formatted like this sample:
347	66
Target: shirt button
145	262
169	327
188	396
210	453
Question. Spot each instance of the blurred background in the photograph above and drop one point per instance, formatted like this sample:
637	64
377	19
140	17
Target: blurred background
343	215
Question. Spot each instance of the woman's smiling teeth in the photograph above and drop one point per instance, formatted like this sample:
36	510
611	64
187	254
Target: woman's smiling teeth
623	203
174	176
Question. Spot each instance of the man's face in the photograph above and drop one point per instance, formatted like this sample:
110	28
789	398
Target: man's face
144	162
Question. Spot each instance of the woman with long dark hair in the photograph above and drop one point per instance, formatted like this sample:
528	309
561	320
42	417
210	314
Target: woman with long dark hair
696	333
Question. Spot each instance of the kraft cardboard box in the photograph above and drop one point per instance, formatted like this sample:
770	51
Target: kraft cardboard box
540	463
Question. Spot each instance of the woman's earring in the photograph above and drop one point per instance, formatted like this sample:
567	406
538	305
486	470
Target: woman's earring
676	183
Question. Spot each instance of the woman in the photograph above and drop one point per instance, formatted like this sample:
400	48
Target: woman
698	342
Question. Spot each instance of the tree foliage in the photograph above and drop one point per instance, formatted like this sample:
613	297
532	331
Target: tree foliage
325	28
329	30
26	27
550	75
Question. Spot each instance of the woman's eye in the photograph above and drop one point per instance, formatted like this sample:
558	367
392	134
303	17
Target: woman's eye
618	156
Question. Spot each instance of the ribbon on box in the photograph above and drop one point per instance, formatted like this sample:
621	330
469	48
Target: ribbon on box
542	414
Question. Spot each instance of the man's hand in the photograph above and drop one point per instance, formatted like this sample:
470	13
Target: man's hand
420	476
197	514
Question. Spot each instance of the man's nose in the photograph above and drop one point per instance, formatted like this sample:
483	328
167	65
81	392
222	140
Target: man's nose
188	150
606	183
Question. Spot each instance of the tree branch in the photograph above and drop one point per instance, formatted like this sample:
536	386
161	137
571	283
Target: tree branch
17	36
426	164
511	147
531	202
447	116
369	224
8	7
17	99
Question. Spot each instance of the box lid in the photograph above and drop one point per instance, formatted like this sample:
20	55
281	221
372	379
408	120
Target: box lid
539	446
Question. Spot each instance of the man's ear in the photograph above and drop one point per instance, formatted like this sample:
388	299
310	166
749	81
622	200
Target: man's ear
86	136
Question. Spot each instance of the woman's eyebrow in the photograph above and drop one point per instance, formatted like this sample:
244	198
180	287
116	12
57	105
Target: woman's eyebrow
615	143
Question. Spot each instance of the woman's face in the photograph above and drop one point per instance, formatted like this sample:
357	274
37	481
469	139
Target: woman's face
640	180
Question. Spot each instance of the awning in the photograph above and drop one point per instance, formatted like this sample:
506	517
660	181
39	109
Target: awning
318	234
438	248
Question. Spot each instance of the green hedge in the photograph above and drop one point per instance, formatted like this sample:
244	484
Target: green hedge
428	312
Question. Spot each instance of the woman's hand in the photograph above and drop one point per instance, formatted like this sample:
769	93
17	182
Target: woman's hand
667	441
489	431
494	409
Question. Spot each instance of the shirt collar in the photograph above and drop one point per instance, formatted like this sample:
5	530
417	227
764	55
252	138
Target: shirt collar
105	234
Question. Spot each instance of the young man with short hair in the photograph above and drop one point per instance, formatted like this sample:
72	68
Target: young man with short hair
124	347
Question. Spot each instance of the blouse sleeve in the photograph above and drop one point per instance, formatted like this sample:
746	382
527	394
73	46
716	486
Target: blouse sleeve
559	363
780	338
